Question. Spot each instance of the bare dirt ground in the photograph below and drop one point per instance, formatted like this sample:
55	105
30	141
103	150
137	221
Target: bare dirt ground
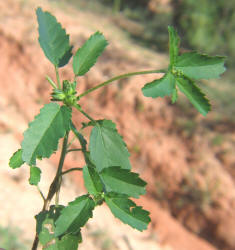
191	193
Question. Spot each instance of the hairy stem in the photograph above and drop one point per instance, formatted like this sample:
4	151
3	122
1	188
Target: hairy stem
118	78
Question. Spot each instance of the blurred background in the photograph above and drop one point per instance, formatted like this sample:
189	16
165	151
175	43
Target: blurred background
188	160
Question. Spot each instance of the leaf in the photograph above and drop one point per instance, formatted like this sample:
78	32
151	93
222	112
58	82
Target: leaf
16	159
174	42
75	215
194	94
87	55
42	136
123	181
53	39
46	224
160	87
92	181
107	147
197	66
127	211
35	175
68	241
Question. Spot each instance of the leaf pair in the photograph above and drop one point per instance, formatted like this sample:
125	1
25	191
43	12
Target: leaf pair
110	177
56	46
183	70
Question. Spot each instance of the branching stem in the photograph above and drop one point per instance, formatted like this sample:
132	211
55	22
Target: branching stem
71	169
118	78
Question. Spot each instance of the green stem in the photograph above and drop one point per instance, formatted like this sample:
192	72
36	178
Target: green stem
79	108
41	193
55	185
57	77
51	82
71	169
74	149
118	78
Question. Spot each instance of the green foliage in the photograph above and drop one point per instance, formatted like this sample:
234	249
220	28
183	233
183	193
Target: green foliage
35	175
87	55
194	94
182	69
74	216
127	211
107	172
123	181
107	148
46	231
196	66
42	137
16	159
92	180
53	39
160	87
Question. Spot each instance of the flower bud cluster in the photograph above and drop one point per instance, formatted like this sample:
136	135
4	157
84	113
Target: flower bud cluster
67	94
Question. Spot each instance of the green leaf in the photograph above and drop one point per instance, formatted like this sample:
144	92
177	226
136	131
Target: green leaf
174	42
45	226
53	39
42	136
107	147
127	211
92	181
123	181
35	175
194	94
68	241
87	55
197	66
16	159
160	87
75	215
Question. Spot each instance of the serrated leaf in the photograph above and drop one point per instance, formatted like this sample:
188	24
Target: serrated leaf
160	87
127	211
42	136
46	224
35	175
123	181
194	94
16	159
174	42
53	39
92	181
75	215
107	147
87	55
66	242
197	66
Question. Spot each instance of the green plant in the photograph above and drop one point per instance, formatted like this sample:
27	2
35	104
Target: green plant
107	171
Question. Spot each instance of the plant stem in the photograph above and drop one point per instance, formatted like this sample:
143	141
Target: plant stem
57	77
74	149
71	169
78	107
118	78
51	82
55	185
